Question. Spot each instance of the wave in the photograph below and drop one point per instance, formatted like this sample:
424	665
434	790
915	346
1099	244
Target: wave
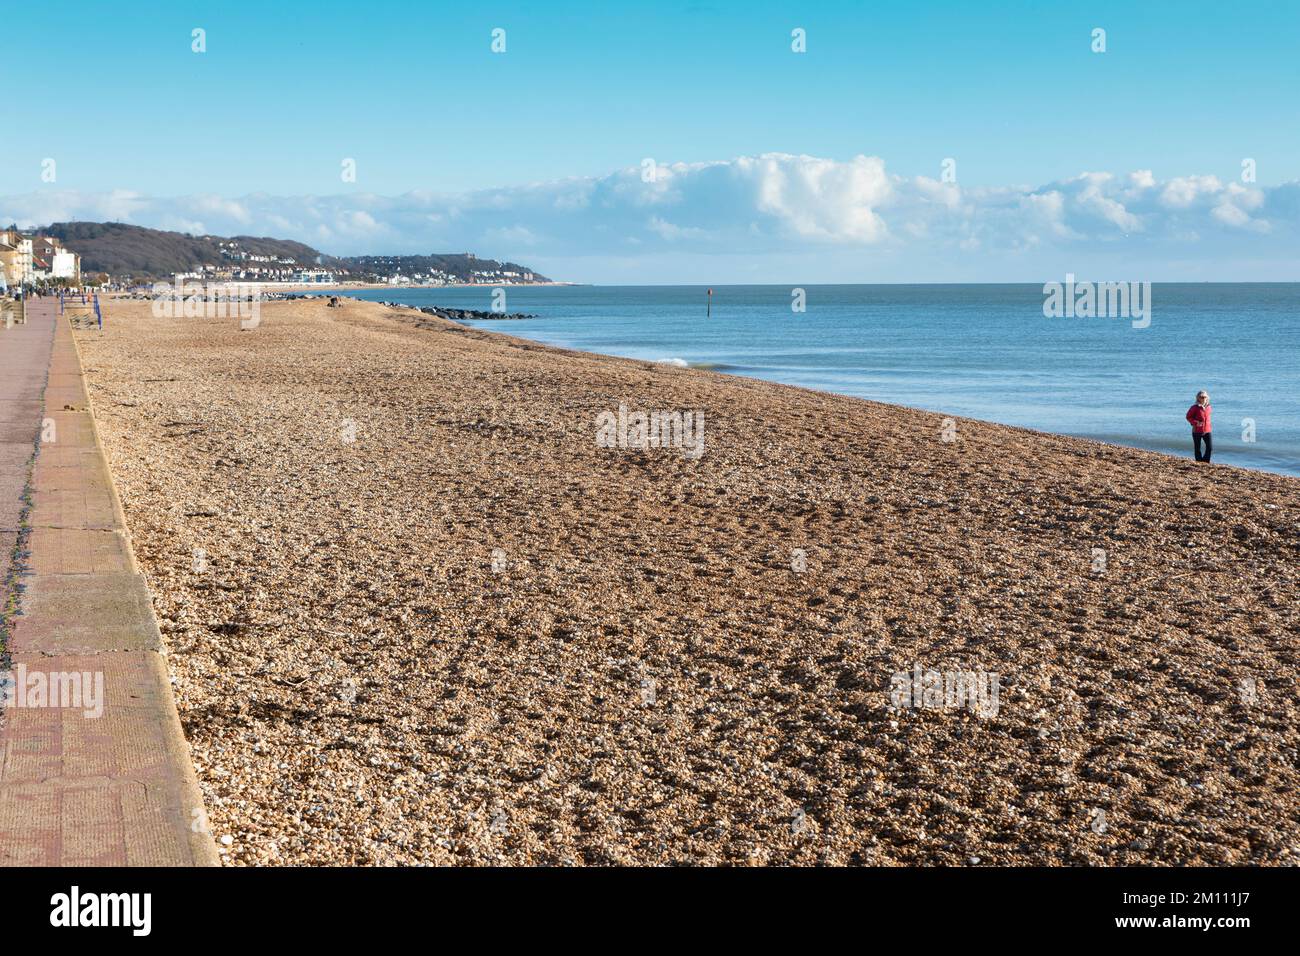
704	366
718	367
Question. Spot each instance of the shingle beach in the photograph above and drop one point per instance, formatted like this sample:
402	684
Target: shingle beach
416	613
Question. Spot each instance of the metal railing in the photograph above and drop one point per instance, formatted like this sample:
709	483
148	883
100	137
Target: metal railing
82	309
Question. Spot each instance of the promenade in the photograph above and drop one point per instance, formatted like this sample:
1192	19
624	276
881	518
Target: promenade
94	768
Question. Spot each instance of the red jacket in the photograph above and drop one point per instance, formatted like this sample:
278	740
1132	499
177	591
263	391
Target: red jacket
1199	416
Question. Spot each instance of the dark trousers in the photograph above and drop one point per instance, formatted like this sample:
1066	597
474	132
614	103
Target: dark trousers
1208	439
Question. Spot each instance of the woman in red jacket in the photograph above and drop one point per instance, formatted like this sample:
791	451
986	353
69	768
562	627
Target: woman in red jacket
1199	416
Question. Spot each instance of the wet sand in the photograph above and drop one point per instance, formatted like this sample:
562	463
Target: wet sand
415	613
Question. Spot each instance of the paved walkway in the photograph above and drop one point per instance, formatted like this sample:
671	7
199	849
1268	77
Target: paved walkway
77	787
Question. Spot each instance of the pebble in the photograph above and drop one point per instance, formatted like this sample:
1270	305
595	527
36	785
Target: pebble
377	567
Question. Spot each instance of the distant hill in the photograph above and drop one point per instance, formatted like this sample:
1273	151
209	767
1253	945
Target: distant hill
123	250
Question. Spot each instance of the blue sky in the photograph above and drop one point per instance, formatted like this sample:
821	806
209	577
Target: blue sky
250	135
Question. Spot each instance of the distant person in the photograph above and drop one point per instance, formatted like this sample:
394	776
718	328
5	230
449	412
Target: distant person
1199	416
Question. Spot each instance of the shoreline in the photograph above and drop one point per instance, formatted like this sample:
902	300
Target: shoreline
713	366
436	621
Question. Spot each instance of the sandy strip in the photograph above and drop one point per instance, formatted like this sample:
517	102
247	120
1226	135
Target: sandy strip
676	659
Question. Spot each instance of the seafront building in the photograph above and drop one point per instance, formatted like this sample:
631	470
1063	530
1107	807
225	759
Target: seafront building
16	258
50	260
27	260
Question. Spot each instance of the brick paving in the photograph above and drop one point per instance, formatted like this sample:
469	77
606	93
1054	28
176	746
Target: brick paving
109	781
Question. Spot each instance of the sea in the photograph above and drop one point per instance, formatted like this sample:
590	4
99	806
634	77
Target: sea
970	351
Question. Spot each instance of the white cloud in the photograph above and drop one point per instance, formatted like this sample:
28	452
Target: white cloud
226	208
1142	178
1046	211
362	221
820	198
512	235
945	194
775	206
1182	191
667	230
1093	198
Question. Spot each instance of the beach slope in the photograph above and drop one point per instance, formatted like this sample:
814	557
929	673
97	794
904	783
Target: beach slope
415	612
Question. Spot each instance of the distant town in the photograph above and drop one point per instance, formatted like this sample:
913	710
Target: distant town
119	255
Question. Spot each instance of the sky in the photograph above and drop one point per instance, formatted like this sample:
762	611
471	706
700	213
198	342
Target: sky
681	142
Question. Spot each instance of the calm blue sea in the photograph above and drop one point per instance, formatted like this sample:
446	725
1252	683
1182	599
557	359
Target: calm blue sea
979	351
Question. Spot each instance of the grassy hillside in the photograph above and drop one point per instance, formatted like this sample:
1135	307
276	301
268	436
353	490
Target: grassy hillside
121	249
124	250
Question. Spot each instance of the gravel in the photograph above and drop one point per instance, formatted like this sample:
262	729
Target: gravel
415	614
